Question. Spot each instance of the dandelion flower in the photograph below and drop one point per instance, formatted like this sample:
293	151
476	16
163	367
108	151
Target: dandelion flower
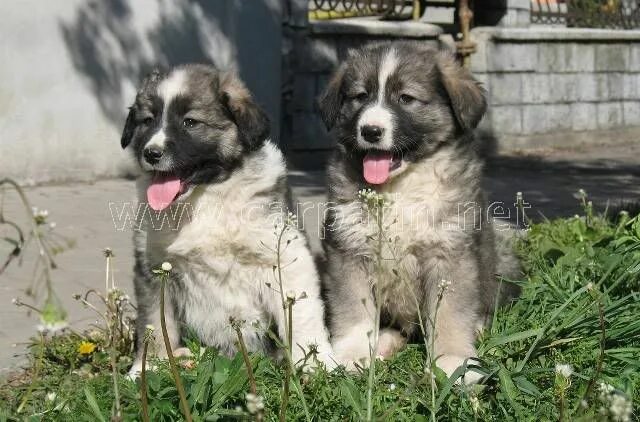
86	347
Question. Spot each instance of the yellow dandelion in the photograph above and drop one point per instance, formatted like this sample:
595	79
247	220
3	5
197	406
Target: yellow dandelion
86	348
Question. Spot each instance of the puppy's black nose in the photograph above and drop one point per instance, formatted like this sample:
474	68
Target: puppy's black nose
152	154
372	134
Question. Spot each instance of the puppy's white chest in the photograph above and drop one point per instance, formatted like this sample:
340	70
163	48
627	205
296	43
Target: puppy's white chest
209	301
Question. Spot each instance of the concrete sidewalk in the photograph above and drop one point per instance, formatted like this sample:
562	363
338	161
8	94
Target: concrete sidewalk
81	211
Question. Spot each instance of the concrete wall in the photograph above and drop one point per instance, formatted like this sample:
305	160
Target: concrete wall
559	87
70	68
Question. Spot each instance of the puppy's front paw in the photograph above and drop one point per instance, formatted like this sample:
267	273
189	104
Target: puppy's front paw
134	372
351	353
390	341
449	364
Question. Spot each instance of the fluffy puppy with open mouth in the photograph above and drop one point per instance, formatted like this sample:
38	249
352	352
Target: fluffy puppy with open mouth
216	187
403	116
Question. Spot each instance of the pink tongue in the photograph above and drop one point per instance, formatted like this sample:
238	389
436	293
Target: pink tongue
376	167
162	191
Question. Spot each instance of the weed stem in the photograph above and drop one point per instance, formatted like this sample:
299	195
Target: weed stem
172	362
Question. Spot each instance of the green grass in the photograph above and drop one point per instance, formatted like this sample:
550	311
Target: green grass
580	305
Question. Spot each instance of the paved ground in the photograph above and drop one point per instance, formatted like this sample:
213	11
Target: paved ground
82	212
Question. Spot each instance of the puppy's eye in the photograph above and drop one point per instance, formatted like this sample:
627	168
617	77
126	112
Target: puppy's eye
189	123
359	96
147	121
406	99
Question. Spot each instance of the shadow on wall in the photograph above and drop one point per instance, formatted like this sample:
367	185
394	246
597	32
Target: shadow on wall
115	43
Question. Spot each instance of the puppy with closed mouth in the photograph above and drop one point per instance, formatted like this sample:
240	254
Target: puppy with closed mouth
216	187
403	115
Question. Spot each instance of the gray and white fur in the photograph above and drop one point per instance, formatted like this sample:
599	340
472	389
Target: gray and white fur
201	126
417	107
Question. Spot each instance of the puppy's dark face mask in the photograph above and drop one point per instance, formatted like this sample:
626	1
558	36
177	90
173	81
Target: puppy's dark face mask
392	105
191	126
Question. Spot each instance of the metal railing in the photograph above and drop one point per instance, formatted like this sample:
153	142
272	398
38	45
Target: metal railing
615	14
388	9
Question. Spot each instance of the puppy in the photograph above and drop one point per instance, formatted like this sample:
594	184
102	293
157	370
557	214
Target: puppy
216	191
403	116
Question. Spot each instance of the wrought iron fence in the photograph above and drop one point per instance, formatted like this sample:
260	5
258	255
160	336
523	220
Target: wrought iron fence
615	14
335	9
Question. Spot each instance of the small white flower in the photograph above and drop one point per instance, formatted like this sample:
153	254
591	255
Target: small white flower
292	219
392	387
475	403
291	295
52	327
620	408
149	327
589	286
51	396
15	301
166	266
564	369
254	403
444	285
606	389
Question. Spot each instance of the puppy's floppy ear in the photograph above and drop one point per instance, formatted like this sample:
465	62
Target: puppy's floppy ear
468	97
253	123
129	128
330	102
150	82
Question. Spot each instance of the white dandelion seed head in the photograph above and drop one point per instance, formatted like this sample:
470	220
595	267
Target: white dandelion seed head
564	369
